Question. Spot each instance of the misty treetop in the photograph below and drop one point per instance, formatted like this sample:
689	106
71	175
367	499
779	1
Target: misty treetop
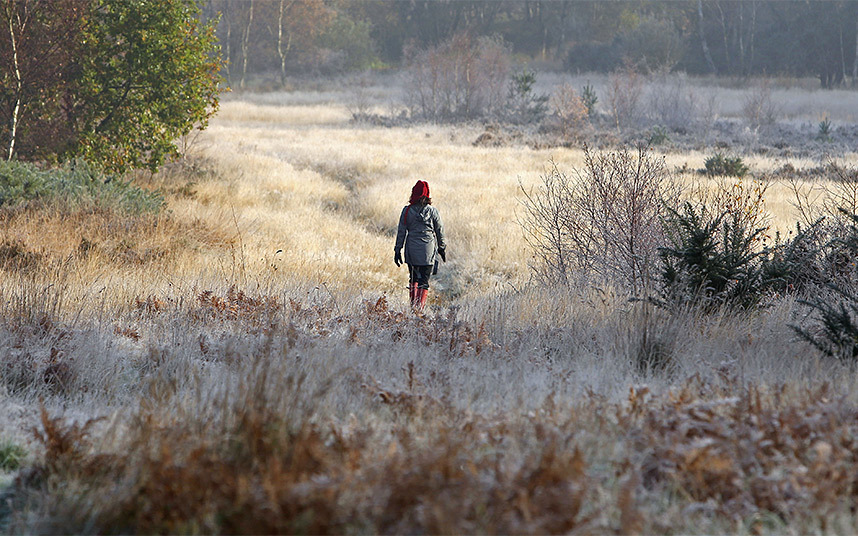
114	81
735	38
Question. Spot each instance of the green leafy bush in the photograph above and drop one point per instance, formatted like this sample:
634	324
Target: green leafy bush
721	165
117	83
76	184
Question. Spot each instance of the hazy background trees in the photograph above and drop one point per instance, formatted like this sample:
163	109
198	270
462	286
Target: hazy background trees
722	37
108	79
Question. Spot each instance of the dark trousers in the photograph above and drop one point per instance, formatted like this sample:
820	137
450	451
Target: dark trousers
419	275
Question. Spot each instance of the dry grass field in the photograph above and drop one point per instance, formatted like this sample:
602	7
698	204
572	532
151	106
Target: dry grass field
246	361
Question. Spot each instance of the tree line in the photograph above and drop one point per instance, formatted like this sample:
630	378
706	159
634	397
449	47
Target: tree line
721	37
119	81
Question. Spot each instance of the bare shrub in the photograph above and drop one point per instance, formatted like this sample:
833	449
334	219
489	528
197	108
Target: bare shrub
605	221
625	89
672	103
758	108
462	77
492	72
826	198
359	98
708	112
843	191
569	110
744	201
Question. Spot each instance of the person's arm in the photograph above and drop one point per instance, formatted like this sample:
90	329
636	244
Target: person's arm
439	234
401	231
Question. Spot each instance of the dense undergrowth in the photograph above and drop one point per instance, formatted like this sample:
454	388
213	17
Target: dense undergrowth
262	464
615	223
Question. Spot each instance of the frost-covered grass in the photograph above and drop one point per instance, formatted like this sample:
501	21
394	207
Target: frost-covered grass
236	411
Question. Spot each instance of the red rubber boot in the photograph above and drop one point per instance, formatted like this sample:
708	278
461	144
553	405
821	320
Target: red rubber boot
422	293
412	294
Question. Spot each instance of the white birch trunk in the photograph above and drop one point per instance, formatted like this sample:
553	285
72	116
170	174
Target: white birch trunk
706	52
281	51
19	86
245	46
855	62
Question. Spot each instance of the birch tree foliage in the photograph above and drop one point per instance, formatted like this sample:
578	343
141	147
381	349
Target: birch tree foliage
114	81
149	75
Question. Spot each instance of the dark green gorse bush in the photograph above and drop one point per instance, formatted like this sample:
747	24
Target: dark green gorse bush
728	166
824	131
75	184
719	260
712	259
837	332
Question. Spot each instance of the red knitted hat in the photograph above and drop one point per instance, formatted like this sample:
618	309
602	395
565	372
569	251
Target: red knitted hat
420	190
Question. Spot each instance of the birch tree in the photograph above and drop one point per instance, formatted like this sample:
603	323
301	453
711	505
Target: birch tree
114	81
37	40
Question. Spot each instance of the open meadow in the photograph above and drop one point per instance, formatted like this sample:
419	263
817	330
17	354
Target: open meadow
246	360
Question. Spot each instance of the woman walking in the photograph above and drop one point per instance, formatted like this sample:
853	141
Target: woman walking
421	232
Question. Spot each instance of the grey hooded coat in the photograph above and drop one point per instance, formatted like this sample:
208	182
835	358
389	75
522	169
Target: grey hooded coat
421	232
